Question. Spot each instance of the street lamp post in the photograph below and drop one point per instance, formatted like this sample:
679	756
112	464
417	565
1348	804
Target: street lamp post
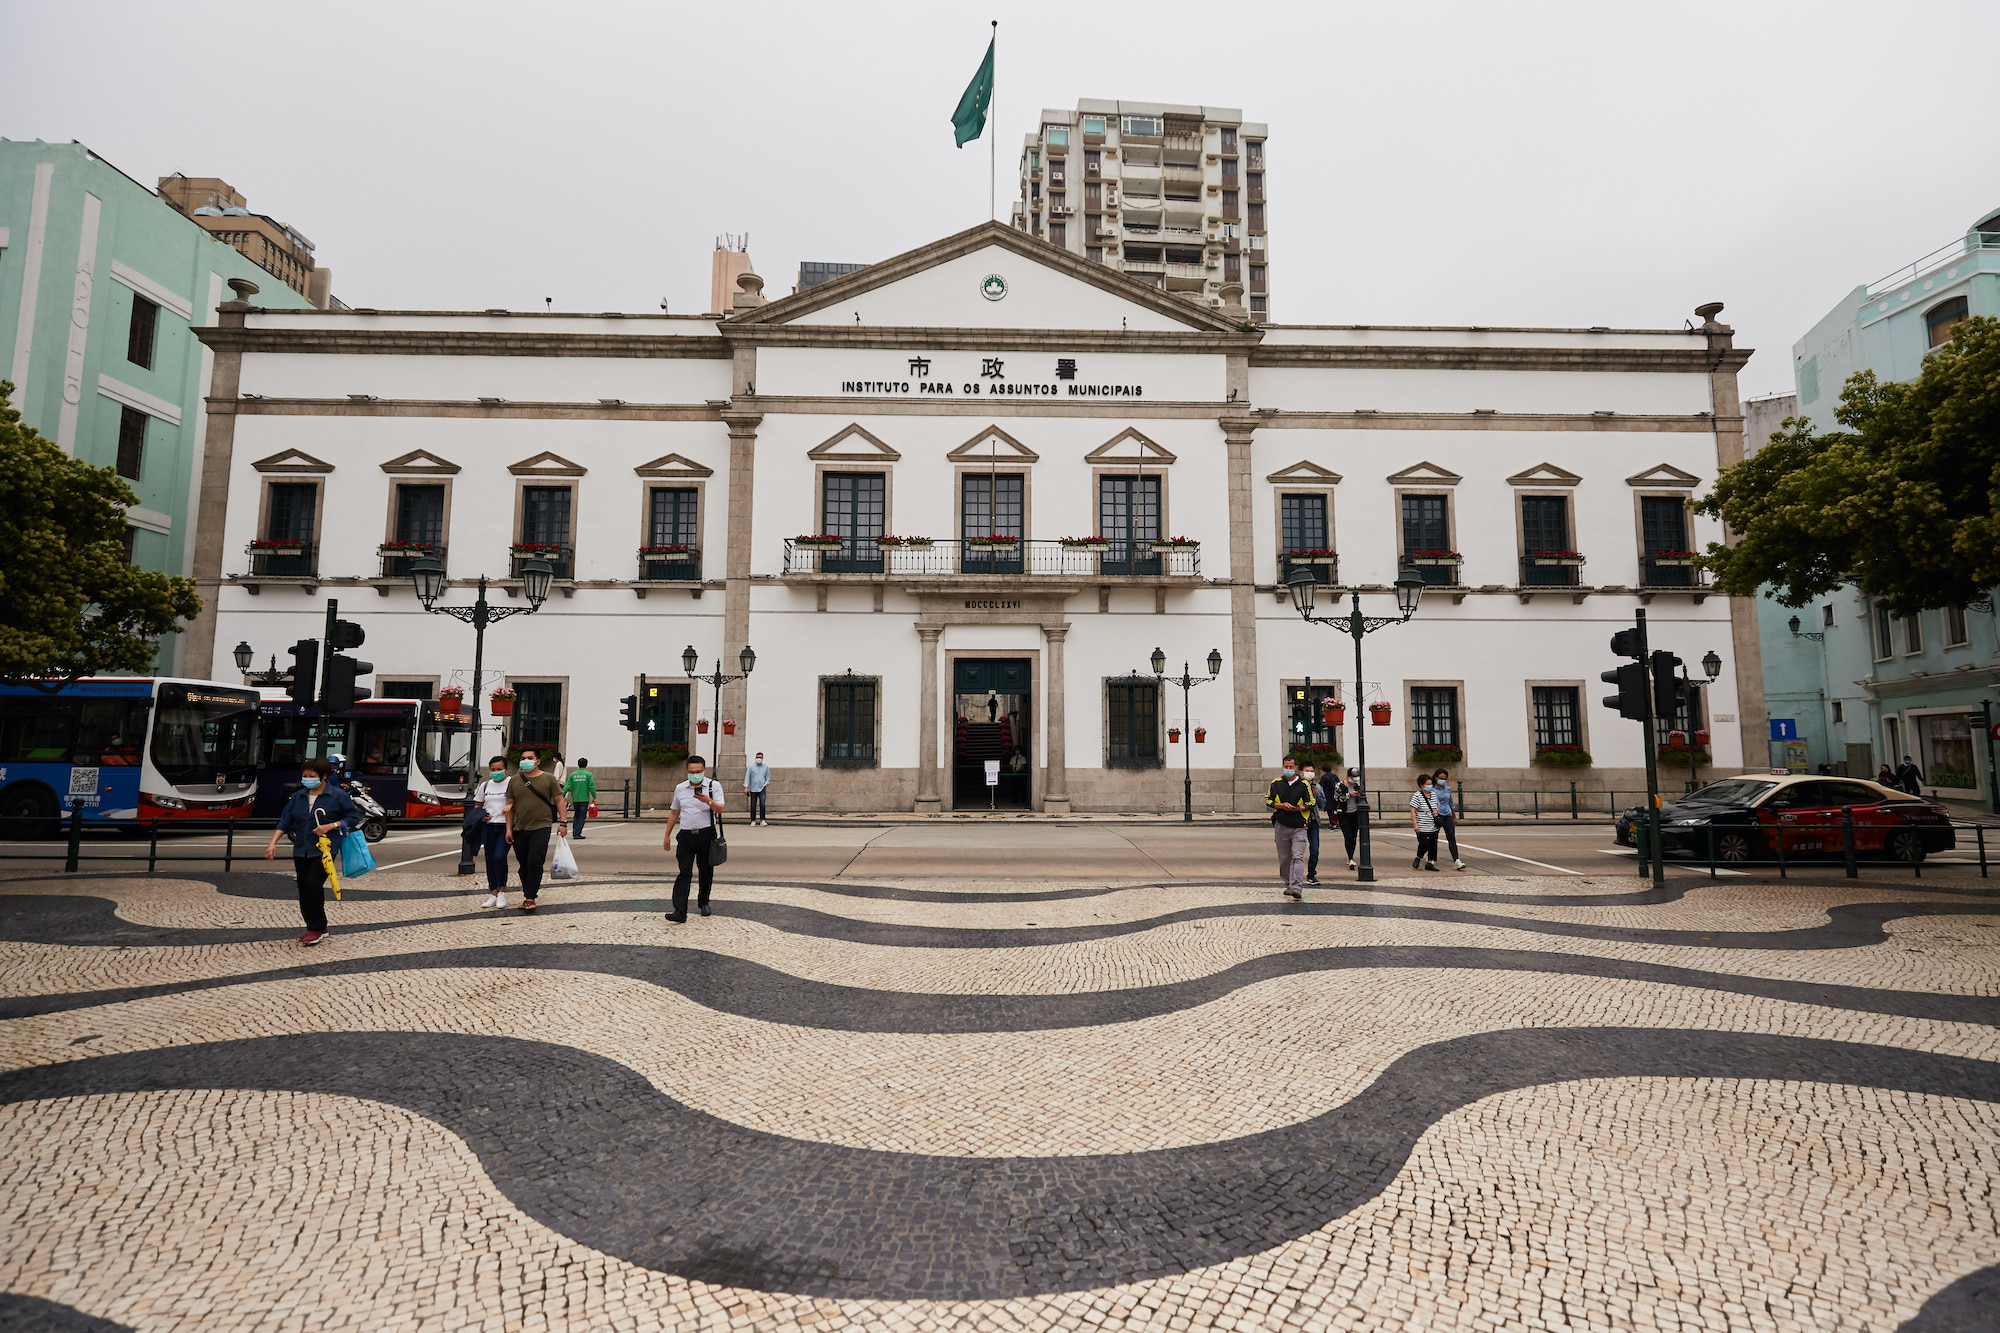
747	659
428	577
245	655
1409	591
1711	666
1187	680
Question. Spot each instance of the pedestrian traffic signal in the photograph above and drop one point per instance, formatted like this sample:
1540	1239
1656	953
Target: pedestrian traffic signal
341	693
1666	686
1630	701
346	634
628	712
304	684
1625	643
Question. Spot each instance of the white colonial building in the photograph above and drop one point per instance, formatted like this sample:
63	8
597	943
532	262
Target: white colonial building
987	386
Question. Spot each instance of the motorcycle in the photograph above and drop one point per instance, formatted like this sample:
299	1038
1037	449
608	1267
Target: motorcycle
374	819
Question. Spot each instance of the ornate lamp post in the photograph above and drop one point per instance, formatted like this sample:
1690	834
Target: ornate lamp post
1187	680
747	659
1409	591
245	655
428	578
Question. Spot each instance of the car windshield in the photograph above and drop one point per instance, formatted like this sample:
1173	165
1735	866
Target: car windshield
1733	791
204	734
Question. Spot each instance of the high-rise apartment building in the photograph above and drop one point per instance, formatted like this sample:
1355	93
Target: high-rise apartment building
212	204
1174	196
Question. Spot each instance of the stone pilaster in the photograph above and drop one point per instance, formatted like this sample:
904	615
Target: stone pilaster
1247	786
1746	647
928	802
729	751
212	502
1055	785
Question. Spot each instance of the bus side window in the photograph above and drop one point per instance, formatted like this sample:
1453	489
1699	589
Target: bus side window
37	729
108	732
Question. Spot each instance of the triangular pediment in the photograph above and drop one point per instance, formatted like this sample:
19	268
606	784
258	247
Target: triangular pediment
420	463
993	443
1544	474
947	284
1304	473
1424	474
292	460
1128	446
546	464
674	465
1665	475
853	445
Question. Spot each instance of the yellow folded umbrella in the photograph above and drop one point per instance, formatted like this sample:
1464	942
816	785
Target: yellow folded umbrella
332	864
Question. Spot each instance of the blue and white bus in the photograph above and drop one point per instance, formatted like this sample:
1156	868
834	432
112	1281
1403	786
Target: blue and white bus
127	749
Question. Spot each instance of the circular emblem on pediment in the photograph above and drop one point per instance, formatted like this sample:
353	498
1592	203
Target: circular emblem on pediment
993	287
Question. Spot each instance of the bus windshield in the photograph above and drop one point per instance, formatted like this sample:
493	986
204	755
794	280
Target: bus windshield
443	750
203	733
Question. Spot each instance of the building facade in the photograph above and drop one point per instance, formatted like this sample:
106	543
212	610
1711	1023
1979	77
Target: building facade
955	499
1172	196
101	284
1849	685
212	204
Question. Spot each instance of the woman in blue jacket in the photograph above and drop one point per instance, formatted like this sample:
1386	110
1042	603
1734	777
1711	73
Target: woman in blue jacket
316	807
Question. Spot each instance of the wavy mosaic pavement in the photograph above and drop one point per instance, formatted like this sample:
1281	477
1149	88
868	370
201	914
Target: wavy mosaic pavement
922	1106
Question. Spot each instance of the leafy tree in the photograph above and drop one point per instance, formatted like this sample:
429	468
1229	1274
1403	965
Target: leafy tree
1902	503
70	604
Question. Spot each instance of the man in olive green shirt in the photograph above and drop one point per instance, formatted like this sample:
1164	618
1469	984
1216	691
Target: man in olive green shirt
581	788
534	805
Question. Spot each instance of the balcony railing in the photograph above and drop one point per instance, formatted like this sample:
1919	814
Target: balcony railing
283	562
396	564
1034	559
561	560
678	566
1325	568
1659	571
1967	244
1550	572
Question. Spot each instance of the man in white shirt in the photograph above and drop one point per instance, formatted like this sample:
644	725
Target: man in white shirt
691	817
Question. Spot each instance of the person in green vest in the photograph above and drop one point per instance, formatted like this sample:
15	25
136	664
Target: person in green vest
581	788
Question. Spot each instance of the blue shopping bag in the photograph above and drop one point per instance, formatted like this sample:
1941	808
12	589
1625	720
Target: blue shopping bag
355	858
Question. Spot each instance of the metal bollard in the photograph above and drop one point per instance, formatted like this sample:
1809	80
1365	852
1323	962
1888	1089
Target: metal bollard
1847	840
229	846
152	846
1781	851
75	836
1982	850
1639	841
1711	852
1573	813
1538	804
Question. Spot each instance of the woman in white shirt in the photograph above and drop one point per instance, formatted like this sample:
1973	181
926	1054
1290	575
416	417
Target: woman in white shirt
492	794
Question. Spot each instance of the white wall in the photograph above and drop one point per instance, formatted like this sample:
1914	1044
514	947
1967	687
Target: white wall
948	296
1635	393
515	378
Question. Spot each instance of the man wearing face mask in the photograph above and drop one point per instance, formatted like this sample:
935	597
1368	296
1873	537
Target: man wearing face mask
1291	803
491	794
534	808
697	804
315	809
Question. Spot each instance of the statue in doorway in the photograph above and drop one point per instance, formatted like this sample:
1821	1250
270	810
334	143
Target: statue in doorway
992	705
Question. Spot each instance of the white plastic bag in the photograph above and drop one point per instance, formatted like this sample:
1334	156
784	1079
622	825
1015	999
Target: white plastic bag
563	863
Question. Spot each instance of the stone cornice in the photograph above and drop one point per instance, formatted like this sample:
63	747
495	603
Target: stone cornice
980	407
1695	359
1699	424
454	407
461	342
891	337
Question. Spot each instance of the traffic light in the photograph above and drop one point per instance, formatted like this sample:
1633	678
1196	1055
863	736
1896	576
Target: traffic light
628	712
305	672
1666	685
1625	643
1630	701
346	634
341	693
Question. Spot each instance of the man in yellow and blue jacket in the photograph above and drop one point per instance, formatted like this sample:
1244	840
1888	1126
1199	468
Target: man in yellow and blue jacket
1292	802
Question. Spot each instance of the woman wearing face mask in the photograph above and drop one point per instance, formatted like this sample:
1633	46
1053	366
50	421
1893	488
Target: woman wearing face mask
316	808
1423	820
492	794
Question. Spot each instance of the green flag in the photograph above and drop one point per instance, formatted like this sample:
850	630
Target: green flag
970	119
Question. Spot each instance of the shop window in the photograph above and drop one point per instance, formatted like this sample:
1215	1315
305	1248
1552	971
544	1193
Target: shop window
850	723
1944	744
1132	723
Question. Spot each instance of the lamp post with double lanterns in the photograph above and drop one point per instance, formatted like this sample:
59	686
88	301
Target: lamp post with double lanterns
690	659
1409	592
245	655
428	578
1711	666
1187	680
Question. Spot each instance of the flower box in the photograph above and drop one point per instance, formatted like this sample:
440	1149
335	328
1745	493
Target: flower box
1683	757
1323	757
667	552
449	701
1316	556
1561	756
821	542
661	753
500	705
886	543
277	545
1430	756
1554	558
922	543
1674	559
405	548
1334	714
1378	714
993	543
1085	543
1175	544
1436	558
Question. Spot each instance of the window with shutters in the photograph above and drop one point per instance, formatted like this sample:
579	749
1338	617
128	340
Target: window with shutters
1131	723
849	712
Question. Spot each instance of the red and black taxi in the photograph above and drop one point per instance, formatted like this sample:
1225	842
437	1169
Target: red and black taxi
1745	817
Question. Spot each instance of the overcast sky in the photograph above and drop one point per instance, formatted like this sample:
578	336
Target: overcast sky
1494	164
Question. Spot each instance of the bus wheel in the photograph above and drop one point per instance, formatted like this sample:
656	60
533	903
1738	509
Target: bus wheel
374	829
29	811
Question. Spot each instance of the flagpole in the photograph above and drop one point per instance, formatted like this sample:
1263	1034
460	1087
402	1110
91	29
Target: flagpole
993	139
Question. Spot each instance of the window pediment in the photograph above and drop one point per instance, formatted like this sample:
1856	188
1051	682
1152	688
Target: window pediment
292	460
853	445
420	463
1425	474
1129	446
547	464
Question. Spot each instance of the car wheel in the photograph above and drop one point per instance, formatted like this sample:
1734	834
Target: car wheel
1620	837
1734	847
28	811
1906	845
374	829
